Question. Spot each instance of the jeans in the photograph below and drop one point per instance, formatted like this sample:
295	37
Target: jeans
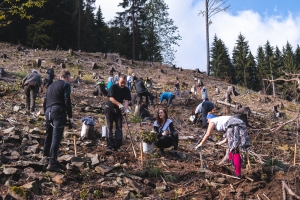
55	124
31	93
207	106
171	99
167	141
113	141
128	84
147	95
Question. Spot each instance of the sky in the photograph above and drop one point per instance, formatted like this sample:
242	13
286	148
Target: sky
277	21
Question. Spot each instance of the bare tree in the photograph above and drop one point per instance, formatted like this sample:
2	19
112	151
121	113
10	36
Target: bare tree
212	7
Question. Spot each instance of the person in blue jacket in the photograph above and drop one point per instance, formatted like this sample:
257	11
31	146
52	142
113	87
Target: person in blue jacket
169	96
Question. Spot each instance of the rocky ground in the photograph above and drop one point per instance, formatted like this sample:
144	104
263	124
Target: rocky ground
272	174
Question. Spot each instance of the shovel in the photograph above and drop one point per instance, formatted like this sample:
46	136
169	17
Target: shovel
202	165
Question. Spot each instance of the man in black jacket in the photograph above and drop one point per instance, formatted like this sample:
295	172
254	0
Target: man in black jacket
141	90
114	110
50	76
57	105
31	84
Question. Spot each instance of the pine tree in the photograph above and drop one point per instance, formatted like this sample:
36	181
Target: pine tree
252	82
240	60
288	59
102	33
260	66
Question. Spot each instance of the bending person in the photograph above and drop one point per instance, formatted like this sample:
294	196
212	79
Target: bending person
204	107
236	134
166	135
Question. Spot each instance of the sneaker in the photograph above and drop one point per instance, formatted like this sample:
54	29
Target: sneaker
54	168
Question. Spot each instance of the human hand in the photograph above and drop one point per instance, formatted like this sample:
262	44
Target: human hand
127	111
166	132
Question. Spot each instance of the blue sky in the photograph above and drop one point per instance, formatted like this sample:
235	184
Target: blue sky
258	20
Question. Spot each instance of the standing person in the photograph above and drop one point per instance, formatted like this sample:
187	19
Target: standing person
204	93
166	135
110	81
141	90
114	110
57	105
236	134
117	77
177	87
128	81
169	96
148	83
50	76
31	83
204	107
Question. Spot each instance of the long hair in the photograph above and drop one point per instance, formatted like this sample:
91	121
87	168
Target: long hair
158	119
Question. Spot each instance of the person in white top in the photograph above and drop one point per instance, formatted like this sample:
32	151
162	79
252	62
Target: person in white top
128	82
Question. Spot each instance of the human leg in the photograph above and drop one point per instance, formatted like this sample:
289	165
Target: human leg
33	93
118	133
237	164
196	118
171	99
164	142
58	117
27	94
109	118
49	130
175	140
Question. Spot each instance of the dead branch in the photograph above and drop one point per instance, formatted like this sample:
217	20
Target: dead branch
282	125
290	192
232	105
266	196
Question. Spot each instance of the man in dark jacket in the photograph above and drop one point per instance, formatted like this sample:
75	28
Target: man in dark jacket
57	105
31	84
50	76
114	109
141	90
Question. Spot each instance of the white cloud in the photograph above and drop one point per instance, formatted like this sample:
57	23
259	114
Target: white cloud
257	29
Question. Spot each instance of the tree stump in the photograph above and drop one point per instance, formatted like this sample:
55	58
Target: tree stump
38	62
62	65
94	66
71	52
217	90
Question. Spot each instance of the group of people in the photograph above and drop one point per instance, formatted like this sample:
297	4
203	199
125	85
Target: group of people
57	106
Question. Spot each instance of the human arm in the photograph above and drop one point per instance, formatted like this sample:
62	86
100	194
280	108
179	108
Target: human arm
161	98
67	99
222	142
208	132
114	101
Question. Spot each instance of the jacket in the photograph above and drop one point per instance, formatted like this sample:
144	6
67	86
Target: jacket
140	87
33	77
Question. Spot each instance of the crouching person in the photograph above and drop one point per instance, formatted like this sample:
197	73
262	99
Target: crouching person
204	108
235	133
166	135
100	89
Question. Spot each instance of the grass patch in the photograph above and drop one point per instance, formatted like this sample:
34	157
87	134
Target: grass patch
20	191
136	119
88	79
21	73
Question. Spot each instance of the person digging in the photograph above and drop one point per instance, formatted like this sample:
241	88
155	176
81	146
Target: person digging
235	133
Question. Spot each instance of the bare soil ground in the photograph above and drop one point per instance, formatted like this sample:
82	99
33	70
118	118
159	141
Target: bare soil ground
159	176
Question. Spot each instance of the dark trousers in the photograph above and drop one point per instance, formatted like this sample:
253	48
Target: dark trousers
171	99
207	106
167	141
147	95
113	141
31	93
55	124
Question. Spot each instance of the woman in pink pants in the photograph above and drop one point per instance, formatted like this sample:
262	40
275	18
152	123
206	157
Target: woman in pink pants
235	133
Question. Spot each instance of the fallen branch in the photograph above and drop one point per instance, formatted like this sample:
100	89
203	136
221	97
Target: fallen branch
187	193
232	105
290	192
266	196
282	125
230	176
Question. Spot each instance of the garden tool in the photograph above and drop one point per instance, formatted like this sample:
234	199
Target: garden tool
130	136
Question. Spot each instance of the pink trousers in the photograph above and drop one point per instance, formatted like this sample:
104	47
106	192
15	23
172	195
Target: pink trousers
236	159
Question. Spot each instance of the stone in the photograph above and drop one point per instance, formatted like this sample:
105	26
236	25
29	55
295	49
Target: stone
102	169
34	148
14	155
181	155
79	162
12	171
59	179
33	187
16	108
161	187
221	180
95	160
35	131
65	158
9	130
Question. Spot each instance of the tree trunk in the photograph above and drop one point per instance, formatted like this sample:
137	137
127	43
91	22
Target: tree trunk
273	85
207	37
133	35
79	24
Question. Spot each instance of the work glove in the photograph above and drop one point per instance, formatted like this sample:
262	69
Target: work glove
198	146
166	132
122	108
127	111
71	123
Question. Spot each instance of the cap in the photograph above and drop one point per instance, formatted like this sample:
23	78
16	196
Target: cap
210	116
34	71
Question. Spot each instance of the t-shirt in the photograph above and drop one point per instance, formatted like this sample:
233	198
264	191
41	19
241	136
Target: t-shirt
119	94
220	122
129	78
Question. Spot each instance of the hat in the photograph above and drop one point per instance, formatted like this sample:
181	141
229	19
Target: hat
34	71
210	116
